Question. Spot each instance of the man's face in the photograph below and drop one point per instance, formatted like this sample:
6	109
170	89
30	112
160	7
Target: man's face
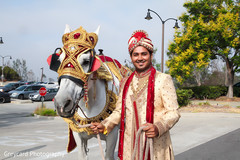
141	59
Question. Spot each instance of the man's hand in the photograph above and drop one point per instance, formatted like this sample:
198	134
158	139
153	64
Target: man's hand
150	130
97	127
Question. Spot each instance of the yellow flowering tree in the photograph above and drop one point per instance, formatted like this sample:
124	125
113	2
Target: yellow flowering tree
211	29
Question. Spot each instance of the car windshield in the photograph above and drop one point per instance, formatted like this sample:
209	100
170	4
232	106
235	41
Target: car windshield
9	85
21	88
36	88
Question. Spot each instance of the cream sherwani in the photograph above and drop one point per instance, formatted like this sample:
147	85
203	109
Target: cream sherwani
165	113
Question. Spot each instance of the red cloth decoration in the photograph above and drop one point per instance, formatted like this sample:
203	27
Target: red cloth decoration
149	108
71	141
139	35
49	60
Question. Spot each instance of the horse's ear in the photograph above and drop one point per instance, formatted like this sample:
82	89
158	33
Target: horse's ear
53	62
96	64
67	29
97	30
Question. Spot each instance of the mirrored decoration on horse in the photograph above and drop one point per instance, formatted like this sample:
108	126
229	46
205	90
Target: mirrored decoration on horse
88	88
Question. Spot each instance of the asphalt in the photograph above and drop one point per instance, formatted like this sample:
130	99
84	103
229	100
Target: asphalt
226	147
207	136
197	136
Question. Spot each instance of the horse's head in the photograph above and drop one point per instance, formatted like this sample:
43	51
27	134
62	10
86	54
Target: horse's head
73	64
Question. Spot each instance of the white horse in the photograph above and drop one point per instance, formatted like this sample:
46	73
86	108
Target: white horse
87	96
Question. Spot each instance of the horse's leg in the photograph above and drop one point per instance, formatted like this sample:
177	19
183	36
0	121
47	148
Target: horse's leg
111	140
81	145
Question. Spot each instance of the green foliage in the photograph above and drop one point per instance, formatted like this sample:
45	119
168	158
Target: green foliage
212	92
208	92
183	96
43	111
210	30
10	74
236	91
204	103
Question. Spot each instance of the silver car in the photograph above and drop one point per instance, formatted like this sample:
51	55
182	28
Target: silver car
23	92
51	92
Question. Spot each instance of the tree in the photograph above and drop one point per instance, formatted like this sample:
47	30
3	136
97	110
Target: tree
30	76
10	74
210	30
21	68
154	61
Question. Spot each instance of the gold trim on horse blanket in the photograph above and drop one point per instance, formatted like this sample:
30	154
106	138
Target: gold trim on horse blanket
111	99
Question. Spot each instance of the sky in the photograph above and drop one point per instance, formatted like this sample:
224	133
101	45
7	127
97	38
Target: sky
32	29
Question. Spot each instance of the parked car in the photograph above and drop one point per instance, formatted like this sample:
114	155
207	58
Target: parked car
23	92
51	92
29	82
10	86
237	84
49	84
5	97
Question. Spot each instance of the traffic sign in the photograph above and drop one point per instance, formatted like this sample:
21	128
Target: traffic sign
43	91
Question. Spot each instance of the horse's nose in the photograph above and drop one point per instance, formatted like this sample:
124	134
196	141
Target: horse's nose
67	107
64	107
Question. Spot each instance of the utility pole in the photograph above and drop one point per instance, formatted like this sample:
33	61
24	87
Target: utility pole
42	74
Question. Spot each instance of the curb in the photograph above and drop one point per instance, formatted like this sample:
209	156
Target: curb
20	101
47	117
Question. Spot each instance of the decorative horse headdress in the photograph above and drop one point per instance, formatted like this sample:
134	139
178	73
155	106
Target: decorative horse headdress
75	44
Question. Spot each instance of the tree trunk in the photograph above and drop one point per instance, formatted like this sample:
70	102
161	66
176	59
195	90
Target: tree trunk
197	77
230	79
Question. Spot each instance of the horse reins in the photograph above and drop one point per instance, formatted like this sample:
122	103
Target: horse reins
149	145
98	136
76	106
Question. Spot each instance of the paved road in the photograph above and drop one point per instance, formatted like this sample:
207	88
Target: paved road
197	136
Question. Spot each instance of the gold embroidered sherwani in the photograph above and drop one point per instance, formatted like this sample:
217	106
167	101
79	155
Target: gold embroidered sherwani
165	113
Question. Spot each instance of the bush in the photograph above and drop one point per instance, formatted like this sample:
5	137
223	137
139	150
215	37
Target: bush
236	91
208	92
183	96
43	111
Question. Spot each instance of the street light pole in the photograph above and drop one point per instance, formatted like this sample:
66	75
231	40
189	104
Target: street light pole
148	17
1	41
42	74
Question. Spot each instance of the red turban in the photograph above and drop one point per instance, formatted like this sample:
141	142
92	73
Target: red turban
139	38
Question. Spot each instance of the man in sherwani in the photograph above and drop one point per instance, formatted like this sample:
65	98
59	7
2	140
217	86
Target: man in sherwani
147	98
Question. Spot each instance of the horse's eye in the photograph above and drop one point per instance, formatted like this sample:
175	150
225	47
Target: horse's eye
86	62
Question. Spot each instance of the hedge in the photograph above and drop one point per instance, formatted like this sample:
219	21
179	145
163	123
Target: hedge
212	92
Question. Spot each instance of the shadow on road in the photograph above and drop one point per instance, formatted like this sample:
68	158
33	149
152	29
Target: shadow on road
225	147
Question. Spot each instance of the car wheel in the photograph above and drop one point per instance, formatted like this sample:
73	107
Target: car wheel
21	97
42	99
2	100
